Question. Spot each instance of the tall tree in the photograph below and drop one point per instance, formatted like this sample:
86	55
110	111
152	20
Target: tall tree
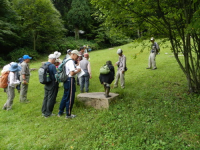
40	22
176	19
8	27
79	15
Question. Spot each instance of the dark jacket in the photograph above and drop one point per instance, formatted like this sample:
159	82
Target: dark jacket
108	78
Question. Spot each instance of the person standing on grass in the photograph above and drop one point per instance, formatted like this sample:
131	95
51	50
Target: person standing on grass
107	79
24	78
69	86
51	89
121	69
12	82
84	80
68	54
152	56
81	55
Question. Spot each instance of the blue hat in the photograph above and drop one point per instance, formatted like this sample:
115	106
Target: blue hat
20	60
14	67
26	57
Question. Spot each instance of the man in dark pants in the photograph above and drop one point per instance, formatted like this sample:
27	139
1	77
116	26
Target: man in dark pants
50	89
69	86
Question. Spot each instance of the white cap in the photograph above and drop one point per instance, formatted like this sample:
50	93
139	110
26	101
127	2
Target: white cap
75	52
119	51
57	54
52	56
152	39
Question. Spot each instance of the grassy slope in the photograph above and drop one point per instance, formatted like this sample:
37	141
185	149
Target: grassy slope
153	111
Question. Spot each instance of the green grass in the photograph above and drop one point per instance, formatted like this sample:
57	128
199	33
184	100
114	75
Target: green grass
153	112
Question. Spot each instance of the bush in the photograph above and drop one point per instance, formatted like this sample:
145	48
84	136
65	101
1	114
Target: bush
71	43
18	53
2	62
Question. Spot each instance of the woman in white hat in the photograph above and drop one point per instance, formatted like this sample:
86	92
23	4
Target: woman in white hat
12	82
58	60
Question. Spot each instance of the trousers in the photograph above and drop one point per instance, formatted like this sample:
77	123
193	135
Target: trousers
24	89
68	96
152	60
120	75
84	81
49	99
11	95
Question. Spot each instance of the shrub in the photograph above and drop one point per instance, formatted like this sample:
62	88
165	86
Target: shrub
2	62
17	53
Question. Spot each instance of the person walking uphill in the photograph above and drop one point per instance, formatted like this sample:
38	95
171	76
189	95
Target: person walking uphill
12	82
69	86
84	80
50	88
24	78
121	69
107	79
152	56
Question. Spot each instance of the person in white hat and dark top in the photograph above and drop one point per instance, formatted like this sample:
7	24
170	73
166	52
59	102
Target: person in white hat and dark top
121	69
12	82
69	86
24	78
152	56
51	88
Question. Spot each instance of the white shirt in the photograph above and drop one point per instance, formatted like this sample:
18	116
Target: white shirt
13	79
70	66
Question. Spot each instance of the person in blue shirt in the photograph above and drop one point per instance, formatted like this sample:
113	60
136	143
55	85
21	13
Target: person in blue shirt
51	89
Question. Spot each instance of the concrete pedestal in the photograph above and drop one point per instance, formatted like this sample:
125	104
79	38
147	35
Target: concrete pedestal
97	100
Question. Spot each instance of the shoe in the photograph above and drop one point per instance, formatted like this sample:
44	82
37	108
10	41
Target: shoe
52	114
123	87
8	109
69	117
4	108
115	86
148	68
154	69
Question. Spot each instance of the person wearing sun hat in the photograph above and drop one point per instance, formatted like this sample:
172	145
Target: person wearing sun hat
69	86
24	78
12	82
58	54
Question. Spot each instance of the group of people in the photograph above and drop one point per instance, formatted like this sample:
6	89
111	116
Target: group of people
75	63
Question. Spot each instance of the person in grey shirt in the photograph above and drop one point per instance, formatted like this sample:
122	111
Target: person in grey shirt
84	80
121	69
24	78
152	56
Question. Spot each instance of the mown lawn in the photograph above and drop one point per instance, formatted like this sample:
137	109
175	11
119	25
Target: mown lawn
153	112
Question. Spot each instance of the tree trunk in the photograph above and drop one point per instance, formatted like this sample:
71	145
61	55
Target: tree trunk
76	33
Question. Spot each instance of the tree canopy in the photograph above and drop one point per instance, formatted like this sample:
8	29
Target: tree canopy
178	20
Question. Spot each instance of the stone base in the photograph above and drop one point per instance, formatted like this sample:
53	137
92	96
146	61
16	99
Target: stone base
96	100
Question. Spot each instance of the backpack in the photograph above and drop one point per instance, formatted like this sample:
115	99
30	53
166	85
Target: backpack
157	50
43	72
61	74
4	79
104	69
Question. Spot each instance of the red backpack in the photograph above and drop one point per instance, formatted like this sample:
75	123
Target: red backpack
4	79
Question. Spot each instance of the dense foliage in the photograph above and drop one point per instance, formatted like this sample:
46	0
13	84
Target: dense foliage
178	20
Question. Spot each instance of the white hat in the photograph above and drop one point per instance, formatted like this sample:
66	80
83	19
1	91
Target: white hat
57	54
119	51
75	52
152	39
52	56
58	60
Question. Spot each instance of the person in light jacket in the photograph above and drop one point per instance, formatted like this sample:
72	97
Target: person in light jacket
121	69
12	82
